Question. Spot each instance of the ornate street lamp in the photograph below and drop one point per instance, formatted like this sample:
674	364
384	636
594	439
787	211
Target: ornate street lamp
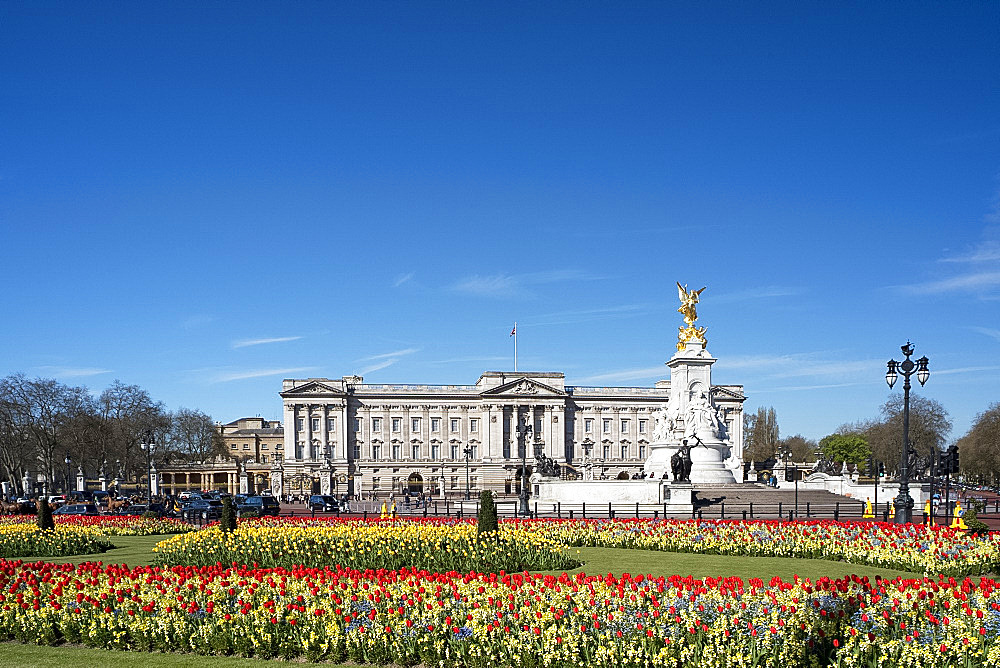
68	462
523	433
468	454
903	503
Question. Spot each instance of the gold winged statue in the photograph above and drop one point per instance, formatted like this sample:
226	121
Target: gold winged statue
688	309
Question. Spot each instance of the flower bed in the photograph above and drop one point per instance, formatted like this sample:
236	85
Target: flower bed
501	620
27	540
434	546
110	525
910	547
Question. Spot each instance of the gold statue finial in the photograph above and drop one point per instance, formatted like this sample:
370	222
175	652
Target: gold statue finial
689	332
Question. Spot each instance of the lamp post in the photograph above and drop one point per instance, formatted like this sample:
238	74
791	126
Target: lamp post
903	503
523	433
468	454
147	446
68	462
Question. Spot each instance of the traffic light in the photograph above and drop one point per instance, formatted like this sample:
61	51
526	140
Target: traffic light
881	469
869	467
953	459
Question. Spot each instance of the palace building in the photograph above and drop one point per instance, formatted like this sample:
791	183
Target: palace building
345	436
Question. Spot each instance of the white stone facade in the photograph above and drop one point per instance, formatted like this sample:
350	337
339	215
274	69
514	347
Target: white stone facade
387	438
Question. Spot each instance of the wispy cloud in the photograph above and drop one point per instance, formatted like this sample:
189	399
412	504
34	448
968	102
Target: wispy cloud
585	315
244	343
660	371
966	369
797	388
798	365
512	285
382	356
988	251
260	373
763	292
71	371
383	360
402	279
993	333
979	280
376	367
195	321
458	360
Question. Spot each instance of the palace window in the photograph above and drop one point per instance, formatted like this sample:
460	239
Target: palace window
376	451
357	452
624	452
454	482
357	425
396	424
278	446
376	483
474	425
454	425
331	424
233	447
472	454
607	452
415	425
376	424
435	424
263	459
395	451
264	446
246	446
314	424
416	452
435	451
300	424
588	425
624	426
642	426
607	426
642	452
474	482
454	452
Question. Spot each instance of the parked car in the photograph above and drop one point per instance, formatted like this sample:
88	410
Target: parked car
189	496
77	509
206	510
259	506
323	503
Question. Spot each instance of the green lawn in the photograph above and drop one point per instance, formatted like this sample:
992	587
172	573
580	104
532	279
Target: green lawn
15	655
138	551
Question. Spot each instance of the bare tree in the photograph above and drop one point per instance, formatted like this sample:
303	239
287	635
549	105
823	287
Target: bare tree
760	431
194	436
43	407
929	429
128	413
979	449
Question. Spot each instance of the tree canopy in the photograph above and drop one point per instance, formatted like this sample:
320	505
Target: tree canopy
852	447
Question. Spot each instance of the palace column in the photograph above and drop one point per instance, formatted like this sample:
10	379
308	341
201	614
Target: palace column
308	453
493	447
325	440
290	434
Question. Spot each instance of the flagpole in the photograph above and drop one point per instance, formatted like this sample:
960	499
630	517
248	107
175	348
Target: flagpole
515	346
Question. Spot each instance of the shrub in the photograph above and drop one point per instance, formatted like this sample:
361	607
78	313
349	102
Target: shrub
228	520
972	520
45	521
487	521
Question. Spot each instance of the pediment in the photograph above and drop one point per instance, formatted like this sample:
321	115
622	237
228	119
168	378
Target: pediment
524	387
313	388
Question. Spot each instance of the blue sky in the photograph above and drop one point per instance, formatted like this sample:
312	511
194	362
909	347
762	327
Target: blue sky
204	198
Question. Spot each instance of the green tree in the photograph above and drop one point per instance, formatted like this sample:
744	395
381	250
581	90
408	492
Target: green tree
45	521
760	433
851	448
227	522
487	522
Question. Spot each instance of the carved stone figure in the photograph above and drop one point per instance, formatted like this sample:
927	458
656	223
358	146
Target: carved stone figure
546	466
701	416
680	464
826	465
663	424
